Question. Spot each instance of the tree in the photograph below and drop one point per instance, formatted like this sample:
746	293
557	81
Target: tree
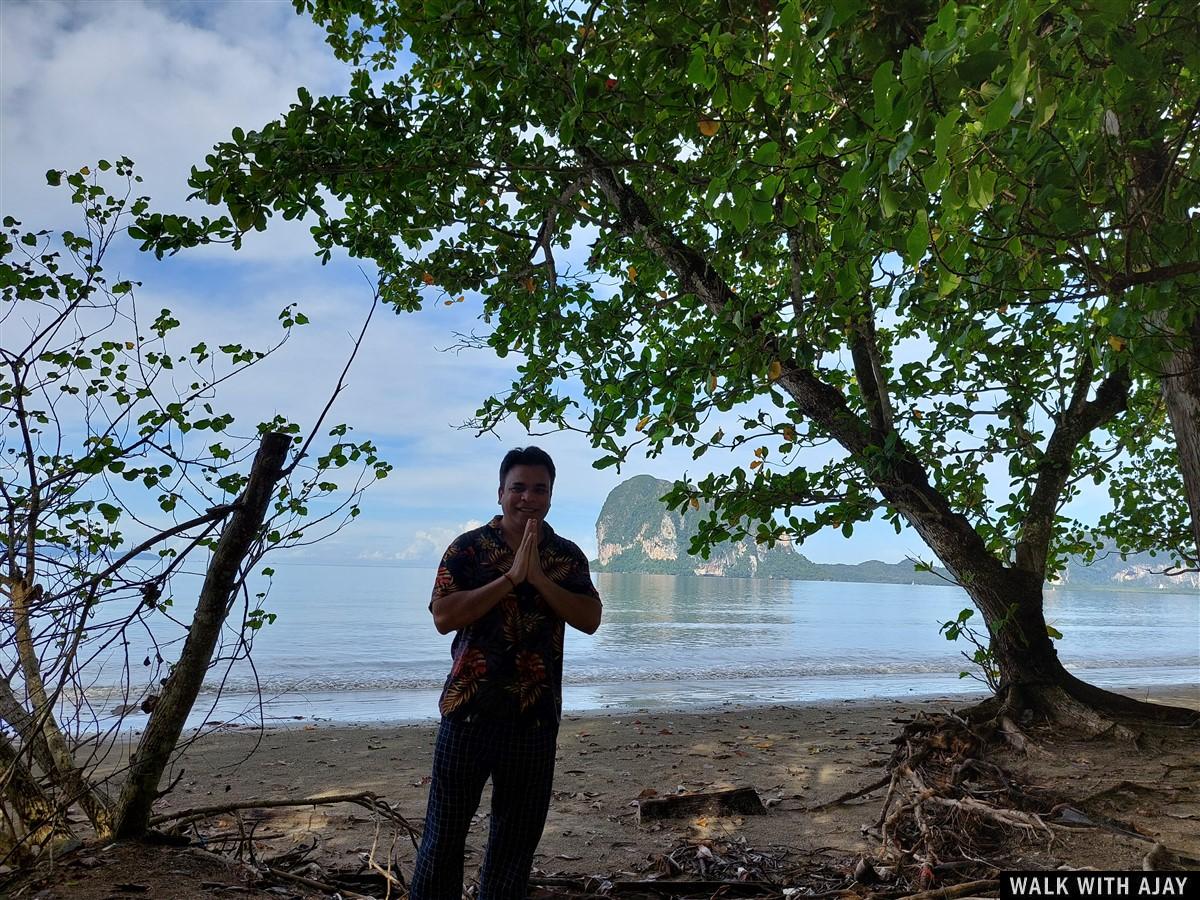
952	245
115	470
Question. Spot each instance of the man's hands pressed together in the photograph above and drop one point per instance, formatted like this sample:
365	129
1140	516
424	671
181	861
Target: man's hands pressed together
526	558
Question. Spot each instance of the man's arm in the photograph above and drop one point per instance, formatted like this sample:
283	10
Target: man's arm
462	608
580	611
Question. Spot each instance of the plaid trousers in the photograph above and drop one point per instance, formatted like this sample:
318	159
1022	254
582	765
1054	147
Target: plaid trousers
519	758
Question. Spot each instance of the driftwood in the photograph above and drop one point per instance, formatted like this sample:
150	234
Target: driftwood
696	888
852	795
743	801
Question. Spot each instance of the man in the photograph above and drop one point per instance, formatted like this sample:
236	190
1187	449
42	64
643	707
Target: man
506	589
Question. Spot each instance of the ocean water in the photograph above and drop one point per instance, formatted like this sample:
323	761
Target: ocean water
357	644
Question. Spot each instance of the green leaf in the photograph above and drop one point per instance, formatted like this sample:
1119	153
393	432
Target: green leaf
697	71
1054	632
739	215
888	201
944	131
981	188
111	513
900	152
883	86
917	242
767	154
741	95
999	111
978	66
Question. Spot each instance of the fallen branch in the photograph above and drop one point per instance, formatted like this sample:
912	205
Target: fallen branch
365	799
851	795
700	888
314	884
738	801
950	892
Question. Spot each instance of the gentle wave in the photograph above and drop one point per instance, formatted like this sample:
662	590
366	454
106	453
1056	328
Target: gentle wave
326	683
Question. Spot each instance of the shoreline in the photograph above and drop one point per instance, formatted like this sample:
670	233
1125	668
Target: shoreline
1180	693
377	708
239	712
430	567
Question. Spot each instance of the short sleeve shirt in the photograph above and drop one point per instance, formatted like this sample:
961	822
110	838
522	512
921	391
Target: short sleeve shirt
508	663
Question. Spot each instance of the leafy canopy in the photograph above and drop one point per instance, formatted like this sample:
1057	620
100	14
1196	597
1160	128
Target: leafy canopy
949	236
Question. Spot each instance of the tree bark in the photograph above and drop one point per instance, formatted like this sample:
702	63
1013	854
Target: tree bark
179	694
41	728
1181	391
34	809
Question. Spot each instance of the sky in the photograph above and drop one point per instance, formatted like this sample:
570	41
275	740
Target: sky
161	83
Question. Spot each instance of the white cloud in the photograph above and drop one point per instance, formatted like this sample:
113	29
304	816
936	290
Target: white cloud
160	83
428	544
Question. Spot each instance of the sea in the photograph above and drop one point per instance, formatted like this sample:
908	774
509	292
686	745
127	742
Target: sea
356	644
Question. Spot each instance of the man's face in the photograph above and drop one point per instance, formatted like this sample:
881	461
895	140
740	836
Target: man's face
525	494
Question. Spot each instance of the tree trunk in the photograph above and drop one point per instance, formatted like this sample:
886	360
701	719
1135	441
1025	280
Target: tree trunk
1181	391
154	751
35	811
1032	677
40	729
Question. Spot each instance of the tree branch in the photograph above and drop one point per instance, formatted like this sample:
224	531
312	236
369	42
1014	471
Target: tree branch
365	799
867	369
1119	283
1079	419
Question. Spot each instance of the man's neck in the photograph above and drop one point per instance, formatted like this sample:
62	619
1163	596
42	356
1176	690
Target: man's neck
513	534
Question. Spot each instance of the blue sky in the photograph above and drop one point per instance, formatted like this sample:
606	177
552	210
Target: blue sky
161	83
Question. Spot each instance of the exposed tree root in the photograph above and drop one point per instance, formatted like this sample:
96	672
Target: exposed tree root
948	809
1079	706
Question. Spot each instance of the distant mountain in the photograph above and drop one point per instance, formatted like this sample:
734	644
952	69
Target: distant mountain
1138	571
637	533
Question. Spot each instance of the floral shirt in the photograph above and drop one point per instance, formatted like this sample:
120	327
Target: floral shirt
508	664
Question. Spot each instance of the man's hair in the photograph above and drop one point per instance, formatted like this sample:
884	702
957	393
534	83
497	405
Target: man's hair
526	456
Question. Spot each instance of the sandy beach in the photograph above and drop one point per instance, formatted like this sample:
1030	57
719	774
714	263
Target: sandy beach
795	757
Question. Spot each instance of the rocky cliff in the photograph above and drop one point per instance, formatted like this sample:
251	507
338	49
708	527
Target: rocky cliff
1138	571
